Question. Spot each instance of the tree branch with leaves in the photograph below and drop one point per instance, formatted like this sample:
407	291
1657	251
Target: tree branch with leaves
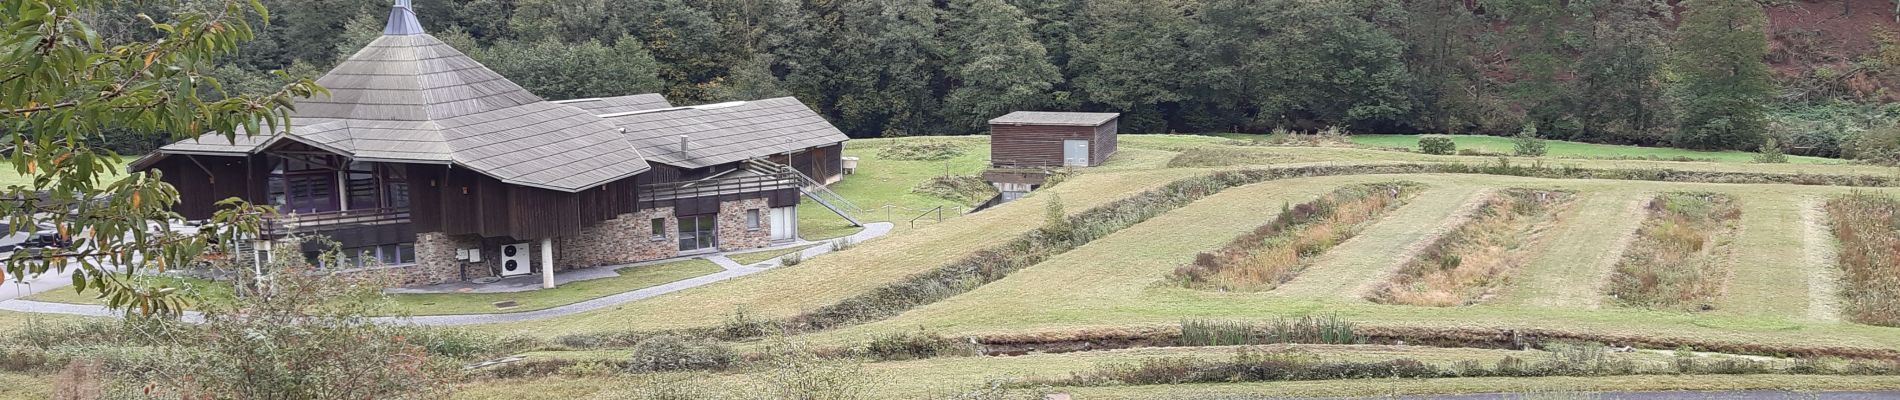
61	82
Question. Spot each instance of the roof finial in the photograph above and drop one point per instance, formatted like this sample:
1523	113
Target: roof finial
402	20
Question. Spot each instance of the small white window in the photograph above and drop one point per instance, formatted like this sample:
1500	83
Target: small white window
752	219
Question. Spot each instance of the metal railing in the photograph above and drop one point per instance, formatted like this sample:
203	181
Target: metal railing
337	219
938	211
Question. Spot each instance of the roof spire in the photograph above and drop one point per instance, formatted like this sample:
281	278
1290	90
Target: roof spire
402	20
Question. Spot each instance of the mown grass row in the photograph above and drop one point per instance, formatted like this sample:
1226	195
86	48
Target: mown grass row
1680	256
988	265
1276	252
1869	256
1472	262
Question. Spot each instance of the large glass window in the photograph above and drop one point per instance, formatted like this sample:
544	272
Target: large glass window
698	232
396	187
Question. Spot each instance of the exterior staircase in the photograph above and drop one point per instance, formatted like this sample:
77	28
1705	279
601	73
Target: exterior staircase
811	188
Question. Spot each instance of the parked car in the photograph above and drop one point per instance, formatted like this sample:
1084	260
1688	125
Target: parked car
43	236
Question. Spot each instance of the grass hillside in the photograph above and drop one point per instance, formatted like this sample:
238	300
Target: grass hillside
1528	265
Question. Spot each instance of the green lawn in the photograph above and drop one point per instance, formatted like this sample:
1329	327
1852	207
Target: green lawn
9	177
631	278
199	290
756	257
882	187
1563	149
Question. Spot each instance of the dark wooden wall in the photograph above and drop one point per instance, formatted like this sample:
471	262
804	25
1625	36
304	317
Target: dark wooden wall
820	163
1041	145
220	178
459	201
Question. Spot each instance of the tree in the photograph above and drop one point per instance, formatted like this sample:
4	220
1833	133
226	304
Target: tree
1442	54
684	39
556	70
871	67
64	84
1723	84
562	20
999	69
1541	35
1621	98
1132	59
1280	62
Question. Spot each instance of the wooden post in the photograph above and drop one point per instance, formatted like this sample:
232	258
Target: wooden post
547	263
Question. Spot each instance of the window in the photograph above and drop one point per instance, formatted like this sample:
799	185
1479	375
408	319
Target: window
752	219
388	254
659	229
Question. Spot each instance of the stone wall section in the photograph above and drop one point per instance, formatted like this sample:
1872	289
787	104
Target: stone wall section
436	263
628	238
734	234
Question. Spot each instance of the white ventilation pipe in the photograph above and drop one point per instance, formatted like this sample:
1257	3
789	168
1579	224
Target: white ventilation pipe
686	143
547	263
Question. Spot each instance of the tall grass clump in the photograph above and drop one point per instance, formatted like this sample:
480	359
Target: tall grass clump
1869	256
1472	262
1328	329
1274	253
920	151
1680	255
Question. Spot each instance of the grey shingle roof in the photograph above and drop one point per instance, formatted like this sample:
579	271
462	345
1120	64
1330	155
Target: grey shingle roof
1054	118
412	98
726	132
614	105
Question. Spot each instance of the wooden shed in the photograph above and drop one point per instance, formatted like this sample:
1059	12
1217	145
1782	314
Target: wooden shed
1052	139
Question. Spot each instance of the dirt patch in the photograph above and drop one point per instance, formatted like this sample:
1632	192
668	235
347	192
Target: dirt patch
1475	261
1819	251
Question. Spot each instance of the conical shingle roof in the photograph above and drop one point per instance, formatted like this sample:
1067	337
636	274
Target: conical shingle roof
409	97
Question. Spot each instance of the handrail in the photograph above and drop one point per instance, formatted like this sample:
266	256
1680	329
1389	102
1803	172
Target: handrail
938	210
715	187
371	216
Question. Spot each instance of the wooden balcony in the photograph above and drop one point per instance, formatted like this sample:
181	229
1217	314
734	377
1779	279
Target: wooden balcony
335	220
716	187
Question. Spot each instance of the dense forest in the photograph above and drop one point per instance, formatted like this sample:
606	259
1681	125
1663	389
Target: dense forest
1713	74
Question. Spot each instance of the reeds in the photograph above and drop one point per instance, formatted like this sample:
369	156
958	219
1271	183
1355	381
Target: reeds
1680	256
1327	329
1277	251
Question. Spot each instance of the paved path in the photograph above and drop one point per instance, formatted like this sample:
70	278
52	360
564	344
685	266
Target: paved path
732	270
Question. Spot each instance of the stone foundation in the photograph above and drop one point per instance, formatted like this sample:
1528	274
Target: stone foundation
625	239
436	263
733	232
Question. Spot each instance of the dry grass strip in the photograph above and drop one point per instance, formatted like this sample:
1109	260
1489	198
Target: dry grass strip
1412	252
1819	252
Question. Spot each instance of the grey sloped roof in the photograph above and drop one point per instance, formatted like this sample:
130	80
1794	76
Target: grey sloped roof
615	105
726	132
408	97
1054	118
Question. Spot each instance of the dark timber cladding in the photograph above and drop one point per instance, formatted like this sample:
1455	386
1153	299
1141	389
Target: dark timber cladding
206	180
459	201
1039	139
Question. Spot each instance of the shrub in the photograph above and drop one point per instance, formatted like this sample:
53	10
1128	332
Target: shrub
590	369
23	358
914	345
910	150
1770	153
676	353
843	243
1437	144
1527	144
967	189
740	324
1309	329
791	259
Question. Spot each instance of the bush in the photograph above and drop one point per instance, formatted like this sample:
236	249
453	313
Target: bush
966	189
1437	144
909	150
677	353
23	358
1770	153
914	345
1527	144
794	258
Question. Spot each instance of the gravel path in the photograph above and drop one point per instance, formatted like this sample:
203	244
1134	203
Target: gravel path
732	270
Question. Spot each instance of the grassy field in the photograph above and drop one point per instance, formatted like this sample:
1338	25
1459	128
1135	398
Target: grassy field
756	257
1118	282
201	289
9	177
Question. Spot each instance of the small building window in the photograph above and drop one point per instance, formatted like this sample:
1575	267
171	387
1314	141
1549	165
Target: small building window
659	229
752	219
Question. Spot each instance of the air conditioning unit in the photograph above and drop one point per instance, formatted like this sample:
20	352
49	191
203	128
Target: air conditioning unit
516	259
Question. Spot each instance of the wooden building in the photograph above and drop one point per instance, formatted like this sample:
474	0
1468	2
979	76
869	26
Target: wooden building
421	158
1052	139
